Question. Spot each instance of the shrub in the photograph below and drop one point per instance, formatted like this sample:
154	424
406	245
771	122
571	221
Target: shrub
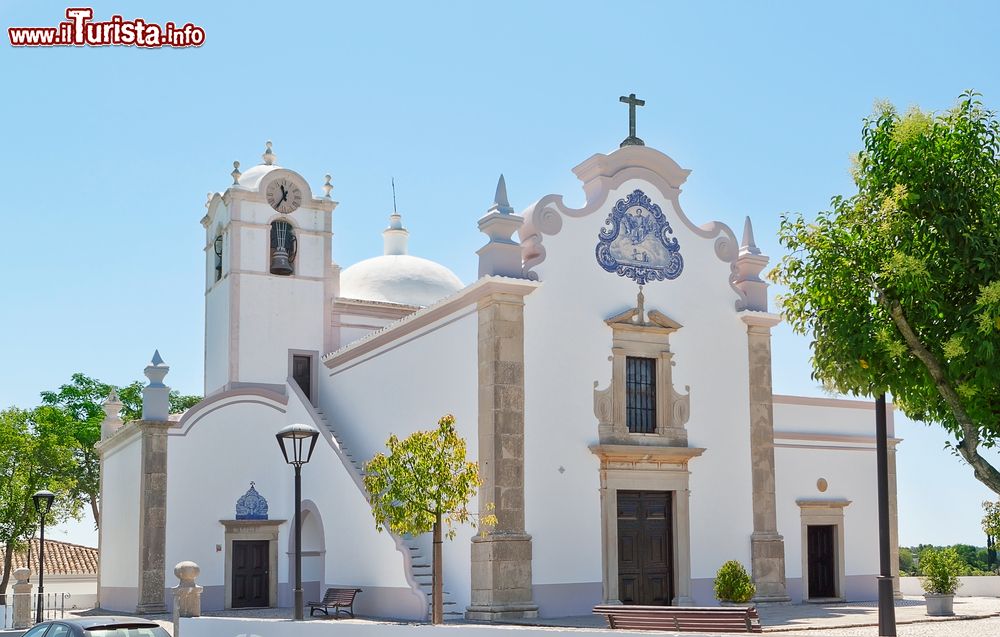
733	584
941	568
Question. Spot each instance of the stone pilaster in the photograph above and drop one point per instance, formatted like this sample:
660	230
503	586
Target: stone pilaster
152	517
501	560
153	489
767	547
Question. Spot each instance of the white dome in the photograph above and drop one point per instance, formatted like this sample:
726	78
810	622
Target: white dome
399	278
251	178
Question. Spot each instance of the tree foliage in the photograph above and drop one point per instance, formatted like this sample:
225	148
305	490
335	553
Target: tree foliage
38	453
899	284
423	480
77	407
991	519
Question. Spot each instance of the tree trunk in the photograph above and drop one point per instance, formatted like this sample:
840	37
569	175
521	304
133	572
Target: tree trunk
968	446
8	559
94	508
437	602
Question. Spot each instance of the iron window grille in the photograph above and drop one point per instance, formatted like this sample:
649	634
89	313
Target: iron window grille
640	394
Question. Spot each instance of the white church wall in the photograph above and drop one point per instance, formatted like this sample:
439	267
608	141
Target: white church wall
119	568
567	347
826	415
849	474
281	313
354	326
199	495
217	307
441	377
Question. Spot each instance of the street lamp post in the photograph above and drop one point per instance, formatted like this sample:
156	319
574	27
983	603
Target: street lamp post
886	608
43	504
292	440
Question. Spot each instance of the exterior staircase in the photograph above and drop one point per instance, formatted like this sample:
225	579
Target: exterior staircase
416	549
421	560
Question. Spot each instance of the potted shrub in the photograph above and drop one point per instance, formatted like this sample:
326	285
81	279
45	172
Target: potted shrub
940	568
733	585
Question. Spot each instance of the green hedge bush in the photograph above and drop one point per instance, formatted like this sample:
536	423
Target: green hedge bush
733	584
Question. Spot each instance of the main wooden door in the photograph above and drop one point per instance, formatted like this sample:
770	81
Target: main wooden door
645	543
250	573
821	561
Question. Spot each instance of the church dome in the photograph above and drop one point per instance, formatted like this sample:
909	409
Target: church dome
251	178
398	277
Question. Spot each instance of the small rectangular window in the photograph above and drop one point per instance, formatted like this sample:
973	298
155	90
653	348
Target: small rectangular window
302	373
640	394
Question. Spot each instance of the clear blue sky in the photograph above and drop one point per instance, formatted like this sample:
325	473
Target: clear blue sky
107	153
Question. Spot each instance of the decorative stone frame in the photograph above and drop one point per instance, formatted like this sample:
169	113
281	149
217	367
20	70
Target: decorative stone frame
253	530
826	513
646	468
633	335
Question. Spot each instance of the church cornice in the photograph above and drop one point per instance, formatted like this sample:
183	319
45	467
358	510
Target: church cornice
472	294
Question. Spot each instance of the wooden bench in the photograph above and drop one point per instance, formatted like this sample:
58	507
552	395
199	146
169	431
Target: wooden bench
337	599
715	619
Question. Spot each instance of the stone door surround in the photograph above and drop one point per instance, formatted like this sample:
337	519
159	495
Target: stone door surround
253	530
824	512
646	468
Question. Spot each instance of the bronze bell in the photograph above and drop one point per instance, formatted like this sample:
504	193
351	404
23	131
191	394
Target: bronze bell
279	262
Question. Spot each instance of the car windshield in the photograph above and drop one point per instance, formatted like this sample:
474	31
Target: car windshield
144	631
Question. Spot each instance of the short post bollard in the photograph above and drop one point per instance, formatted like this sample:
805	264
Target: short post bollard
22	598
187	594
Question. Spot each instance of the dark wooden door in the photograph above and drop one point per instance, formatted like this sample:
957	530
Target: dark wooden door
645	541
302	373
821	561
250	573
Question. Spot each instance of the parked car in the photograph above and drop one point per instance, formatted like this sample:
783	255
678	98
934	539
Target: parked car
107	626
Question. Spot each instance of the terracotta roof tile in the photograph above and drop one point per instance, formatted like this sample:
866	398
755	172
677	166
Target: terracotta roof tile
61	558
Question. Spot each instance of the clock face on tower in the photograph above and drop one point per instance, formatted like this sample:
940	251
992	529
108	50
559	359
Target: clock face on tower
283	195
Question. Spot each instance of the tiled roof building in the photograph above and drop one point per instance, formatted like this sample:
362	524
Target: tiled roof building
61	558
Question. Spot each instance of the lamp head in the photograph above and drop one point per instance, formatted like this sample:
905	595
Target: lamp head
43	501
297	443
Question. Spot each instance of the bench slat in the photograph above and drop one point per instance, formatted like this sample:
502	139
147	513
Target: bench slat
743	619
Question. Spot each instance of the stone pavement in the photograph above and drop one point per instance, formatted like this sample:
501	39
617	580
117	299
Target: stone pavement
974	617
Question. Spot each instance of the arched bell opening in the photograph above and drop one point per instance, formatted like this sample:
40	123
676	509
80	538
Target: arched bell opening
284	246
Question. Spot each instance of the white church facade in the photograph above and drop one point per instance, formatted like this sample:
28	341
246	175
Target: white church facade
610	370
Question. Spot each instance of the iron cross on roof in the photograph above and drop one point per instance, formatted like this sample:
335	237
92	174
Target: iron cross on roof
632	102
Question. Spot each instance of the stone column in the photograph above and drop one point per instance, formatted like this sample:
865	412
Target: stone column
187	594
153	489
22	598
501	560
767	547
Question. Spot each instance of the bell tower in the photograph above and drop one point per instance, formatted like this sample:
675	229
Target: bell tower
270	279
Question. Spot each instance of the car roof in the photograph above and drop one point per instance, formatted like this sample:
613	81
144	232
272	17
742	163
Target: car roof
107	620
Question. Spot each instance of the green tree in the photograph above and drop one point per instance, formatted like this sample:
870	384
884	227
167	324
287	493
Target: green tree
76	407
905	561
899	284
991	527
37	454
425	479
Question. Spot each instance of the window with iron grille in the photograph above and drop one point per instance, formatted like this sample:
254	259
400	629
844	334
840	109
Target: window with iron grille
640	394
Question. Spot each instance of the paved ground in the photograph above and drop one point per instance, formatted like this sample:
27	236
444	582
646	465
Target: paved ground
974	617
